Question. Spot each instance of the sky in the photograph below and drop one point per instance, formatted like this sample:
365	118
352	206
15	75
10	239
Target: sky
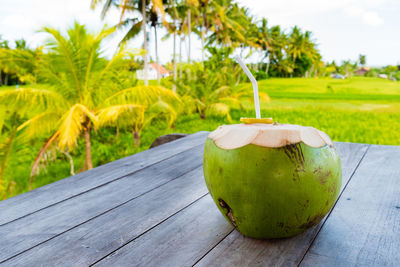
343	29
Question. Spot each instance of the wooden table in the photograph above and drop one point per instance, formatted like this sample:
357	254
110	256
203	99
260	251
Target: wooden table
153	209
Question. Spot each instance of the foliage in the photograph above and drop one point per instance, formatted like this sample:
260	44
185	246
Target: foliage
84	92
352	112
213	86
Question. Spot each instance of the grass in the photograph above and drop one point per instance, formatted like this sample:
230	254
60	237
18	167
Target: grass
360	110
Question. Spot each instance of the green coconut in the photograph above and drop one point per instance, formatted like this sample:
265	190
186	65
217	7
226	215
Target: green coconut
272	181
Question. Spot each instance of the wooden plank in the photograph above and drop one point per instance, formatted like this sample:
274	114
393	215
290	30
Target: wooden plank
364	227
30	202
101	236
179	241
237	250
39	227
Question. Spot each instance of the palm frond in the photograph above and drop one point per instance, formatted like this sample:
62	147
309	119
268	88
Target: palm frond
158	7
220	109
72	124
143	95
133	31
63	46
26	99
160	110
111	114
221	91
41	124
191	104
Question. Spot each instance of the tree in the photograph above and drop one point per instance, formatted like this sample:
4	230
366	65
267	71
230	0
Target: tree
280	66
82	92
362	59
25	71
135	24
347	67
301	51
217	89
153	23
3	66
228	24
190	4
260	37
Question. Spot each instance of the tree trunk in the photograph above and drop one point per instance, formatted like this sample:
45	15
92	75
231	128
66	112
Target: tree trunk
88	151
6	80
145	58
174	56
267	68
157	59
136	138
1	78
180	57
202	114
189	32
117	134
202	41
190	43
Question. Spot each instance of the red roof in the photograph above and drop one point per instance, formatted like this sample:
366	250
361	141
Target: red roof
161	68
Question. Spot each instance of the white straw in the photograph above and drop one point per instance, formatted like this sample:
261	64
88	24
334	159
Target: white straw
255	86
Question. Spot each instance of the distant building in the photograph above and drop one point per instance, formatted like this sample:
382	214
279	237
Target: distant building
152	72
362	71
383	76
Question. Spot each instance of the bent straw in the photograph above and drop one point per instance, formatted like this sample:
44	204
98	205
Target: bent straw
255	86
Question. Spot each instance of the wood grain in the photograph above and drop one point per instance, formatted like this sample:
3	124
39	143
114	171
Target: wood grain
30	202
179	241
364	227
39	227
99	237
237	250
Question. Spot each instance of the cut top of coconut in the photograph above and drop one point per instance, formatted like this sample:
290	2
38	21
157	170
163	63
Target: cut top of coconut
267	135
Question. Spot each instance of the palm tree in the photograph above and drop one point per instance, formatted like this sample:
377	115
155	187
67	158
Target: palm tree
173	29
260	37
296	43
174	14
153	23
82	94
362	59
191	4
135	24
228	24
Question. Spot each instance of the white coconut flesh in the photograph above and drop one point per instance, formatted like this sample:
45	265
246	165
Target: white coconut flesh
268	135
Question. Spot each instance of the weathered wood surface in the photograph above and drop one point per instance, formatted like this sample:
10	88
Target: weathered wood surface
59	218
51	194
153	209
103	235
364	228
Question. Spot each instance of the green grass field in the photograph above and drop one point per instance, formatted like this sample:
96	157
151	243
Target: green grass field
360	110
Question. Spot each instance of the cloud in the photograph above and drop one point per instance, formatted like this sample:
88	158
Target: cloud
371	18
286	12
366	16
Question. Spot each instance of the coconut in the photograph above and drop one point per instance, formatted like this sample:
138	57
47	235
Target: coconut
272	180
